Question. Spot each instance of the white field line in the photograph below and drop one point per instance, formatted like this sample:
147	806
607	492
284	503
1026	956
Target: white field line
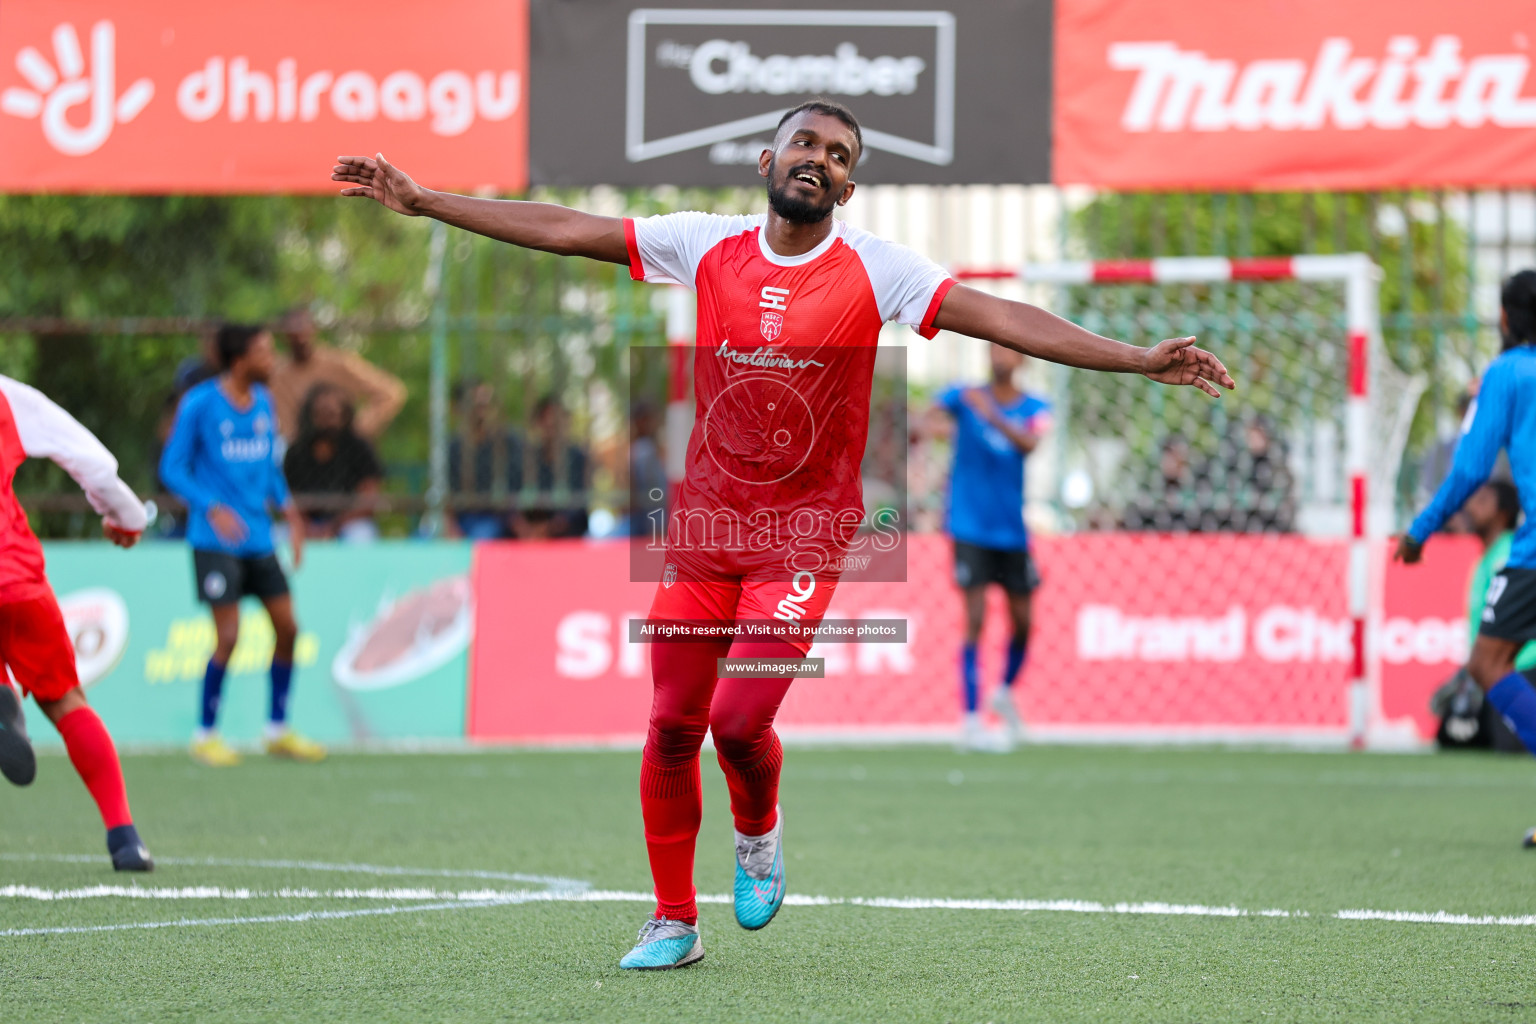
445	899
309	915
311	865
213	892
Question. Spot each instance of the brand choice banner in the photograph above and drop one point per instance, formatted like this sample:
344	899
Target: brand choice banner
382	652
1135	634
627	94
183	96
1345	94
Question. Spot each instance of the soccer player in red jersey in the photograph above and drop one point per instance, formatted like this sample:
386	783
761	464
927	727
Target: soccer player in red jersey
34	645
790	305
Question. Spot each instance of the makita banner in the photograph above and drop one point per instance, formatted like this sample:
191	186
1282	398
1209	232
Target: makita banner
1343	94
185	96
947	91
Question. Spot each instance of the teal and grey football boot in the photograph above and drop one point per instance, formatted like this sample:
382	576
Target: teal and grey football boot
663	945
759	876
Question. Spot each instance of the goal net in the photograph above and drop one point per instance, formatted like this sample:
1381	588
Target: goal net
1213	568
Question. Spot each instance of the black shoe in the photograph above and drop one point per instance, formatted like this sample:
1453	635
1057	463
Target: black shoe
1529	842
128	851
17	762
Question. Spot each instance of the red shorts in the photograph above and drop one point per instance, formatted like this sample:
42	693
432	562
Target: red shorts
802	599
36	647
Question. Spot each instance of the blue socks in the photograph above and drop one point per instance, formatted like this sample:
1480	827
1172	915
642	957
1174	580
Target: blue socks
213	686
1516	701
1016	648
282	680
969	691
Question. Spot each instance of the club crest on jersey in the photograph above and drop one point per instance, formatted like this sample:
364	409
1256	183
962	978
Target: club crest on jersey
669	575
772	325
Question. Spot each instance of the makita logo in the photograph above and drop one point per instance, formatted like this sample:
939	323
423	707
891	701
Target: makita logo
721	65
792	607
1411	84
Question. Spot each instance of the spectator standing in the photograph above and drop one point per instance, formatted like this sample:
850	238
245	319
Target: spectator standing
1259	482
559	470
376	394
647	474
480	458
1172	503
331	463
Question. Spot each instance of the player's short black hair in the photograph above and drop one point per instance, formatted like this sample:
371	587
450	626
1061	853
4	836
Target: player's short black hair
1518	297
234	341
830	108
1508	497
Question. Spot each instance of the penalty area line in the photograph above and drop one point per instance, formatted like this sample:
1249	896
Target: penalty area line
310	915
313	865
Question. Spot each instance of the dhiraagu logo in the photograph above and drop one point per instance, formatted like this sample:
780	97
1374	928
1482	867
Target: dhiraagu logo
189	642
66	82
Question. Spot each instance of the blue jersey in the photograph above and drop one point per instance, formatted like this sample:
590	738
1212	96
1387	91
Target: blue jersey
986	483
218	454
1504	416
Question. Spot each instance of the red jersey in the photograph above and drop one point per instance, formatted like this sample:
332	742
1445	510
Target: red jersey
782	374
32	425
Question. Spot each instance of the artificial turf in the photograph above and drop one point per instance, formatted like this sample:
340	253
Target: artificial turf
1256	830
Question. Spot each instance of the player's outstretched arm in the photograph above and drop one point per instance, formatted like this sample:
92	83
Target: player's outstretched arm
47	431
543	226
1036	332
1476	453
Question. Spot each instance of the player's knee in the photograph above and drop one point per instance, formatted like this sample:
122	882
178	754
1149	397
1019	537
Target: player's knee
1488	665
225	640
56	709
675	735
285	635
739	739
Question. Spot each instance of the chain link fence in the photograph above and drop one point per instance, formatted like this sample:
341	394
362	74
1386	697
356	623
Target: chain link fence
517	402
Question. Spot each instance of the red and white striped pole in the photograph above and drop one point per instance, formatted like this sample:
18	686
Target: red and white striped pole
680	342
1358	275
1359	319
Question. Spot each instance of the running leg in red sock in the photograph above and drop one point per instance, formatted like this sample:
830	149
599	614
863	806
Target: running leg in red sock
741	721
671	800
94	756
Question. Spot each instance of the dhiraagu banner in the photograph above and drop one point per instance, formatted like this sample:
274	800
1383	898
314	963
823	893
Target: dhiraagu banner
382	652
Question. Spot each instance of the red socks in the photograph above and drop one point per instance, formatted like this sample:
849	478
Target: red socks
755	790
95	758
672	803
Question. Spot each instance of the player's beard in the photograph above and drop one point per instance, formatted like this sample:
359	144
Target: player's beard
794	209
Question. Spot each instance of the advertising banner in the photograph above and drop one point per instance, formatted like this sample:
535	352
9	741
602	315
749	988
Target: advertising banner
1336	94
629	93
1135	636
184	96
382	651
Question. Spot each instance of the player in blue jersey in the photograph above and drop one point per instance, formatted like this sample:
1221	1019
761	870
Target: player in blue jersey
1502	417
222	459
996	426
